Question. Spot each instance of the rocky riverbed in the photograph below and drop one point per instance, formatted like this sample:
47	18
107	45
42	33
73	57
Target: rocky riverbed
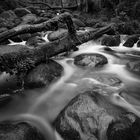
89	92
96	96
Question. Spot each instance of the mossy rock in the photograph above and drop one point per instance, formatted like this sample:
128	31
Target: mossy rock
111	40
43	75
90	60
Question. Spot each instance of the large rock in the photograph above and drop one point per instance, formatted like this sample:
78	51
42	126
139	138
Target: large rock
29	19
126	128
20	12
60	33
134	66
43	74
10	130
90	116
91	60
108	49
8	19
35	41
111	40
131	41
107	79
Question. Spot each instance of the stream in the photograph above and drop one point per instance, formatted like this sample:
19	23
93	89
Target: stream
43	105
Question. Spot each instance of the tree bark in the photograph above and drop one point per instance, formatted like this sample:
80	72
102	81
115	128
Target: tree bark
25	59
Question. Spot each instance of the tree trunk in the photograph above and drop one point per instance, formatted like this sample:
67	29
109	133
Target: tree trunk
25	59
51	24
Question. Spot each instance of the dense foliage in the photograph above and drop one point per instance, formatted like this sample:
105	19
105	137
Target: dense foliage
114	7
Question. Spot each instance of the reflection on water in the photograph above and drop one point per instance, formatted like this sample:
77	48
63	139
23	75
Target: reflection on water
45	104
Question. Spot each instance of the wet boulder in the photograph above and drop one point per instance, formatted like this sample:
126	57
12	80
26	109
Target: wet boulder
131	41
29	19
138	44
107	79
111	40
20	12
134	66
126	128
108	49
10	130
79	120
8	19
90	60
90	116
43	75
60	33
35	41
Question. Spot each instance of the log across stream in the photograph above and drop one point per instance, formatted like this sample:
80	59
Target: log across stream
45	104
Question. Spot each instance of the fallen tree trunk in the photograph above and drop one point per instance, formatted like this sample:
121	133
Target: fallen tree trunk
71	41
51	24
25	59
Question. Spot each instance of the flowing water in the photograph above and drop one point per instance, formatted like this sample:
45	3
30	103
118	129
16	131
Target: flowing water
41	106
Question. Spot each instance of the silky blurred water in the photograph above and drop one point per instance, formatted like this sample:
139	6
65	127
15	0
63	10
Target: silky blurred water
43	105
